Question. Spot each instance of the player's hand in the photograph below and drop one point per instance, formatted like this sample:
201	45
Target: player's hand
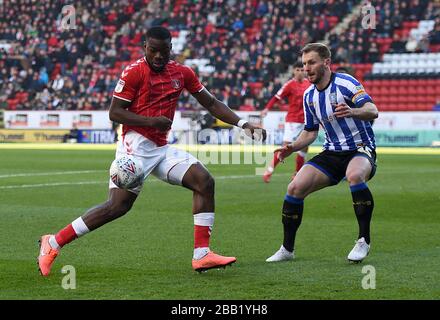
162	123
343	111
255	132
284	152
264	113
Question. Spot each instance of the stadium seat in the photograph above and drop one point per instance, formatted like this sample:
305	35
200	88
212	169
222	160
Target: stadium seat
22	96
332	20
12	103
434	48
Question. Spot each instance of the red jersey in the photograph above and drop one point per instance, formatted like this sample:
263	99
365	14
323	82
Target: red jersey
154	94
294	91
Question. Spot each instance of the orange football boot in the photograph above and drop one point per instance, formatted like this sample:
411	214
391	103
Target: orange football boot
47	255
212	260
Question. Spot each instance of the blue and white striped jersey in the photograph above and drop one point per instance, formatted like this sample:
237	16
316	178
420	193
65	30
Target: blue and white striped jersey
341	134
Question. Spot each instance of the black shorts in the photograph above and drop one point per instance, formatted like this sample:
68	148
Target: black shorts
334	164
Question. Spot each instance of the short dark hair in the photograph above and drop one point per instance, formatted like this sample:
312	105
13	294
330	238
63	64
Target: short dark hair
298	64
342	70
158	32
322	50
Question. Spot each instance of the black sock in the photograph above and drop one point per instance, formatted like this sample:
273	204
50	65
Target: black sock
292	216
363	205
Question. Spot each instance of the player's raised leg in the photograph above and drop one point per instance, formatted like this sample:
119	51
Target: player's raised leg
199	180
308	180
119	202
358	172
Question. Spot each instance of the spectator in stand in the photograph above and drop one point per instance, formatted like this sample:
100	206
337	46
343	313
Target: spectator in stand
373	53
341	55
57	83
235	100
437	106
411	44
423	45
346	67
3	102
434	35
397	46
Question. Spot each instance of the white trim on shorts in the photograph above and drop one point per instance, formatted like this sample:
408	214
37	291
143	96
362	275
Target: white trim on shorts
292	131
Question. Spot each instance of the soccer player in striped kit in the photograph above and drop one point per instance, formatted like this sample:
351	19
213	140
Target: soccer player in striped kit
337	103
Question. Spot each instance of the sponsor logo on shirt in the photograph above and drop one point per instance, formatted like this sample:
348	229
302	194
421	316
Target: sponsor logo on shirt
333	99
120	85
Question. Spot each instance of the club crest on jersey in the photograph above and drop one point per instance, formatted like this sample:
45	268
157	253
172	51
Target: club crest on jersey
333	99
175	84
120	86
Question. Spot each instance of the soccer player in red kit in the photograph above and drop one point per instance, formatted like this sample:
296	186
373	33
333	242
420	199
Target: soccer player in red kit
293	90
144	102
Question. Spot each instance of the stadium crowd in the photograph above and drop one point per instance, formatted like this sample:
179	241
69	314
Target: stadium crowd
249	43
44	65
357	45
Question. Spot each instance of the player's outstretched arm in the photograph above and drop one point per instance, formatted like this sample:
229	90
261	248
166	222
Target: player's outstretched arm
305	139
118	112
221	111
269	105
367	112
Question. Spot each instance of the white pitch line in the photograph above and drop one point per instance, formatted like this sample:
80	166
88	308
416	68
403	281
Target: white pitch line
57	173
56	184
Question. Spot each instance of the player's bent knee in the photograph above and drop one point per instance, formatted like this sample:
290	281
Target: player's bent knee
207	184
297	190
200	181
356	177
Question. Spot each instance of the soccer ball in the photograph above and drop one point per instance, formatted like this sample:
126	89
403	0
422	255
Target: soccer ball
126	172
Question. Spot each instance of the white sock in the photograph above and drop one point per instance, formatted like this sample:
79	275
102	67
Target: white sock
80	227
53	243
302	153
205	219
199	253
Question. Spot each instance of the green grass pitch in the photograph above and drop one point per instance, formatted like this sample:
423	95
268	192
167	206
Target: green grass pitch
147	253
